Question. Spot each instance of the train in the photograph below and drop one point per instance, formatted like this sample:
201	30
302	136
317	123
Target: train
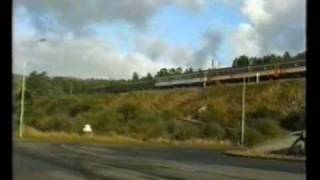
279	70
282	69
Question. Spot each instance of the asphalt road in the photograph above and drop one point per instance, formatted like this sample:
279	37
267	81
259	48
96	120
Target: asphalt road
58	161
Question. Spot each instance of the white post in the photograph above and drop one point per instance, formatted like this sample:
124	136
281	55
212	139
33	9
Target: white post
22	102
205	80
243	110
257	77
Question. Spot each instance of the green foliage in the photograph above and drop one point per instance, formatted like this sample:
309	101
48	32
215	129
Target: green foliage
212	130
241	61
59	122
286	56
252	137
233	134
184	131
294	121
170	72
147	125
267	127
128	110
188	70
159	114
135	77
38	83
262	111
79	108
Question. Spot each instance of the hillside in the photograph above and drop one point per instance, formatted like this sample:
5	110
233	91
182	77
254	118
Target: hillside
271	110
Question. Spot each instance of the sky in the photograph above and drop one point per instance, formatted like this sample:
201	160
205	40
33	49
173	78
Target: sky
112	39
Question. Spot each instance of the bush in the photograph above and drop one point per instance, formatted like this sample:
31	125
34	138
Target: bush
78	108
212	130
266	127
171	114
232	134
262	111
128	110
294	121
252	137
55	106
148	125
270	128
185	131
54	123
102	122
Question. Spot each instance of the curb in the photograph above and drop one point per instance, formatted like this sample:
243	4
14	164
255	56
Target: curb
264	156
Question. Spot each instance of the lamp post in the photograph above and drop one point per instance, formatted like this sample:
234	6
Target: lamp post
22	101
22	96
243	111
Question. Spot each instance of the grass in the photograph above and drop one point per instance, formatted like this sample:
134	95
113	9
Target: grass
31	134
74	138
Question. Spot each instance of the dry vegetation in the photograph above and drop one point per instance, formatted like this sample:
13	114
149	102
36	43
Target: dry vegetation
155	116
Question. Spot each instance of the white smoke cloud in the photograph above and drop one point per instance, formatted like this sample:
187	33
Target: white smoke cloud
273	27
77	15
184	56
84	58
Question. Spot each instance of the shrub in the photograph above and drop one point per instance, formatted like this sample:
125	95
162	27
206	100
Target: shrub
79	108
212	130
262	111
185	131
266	127
54	123
294	121
270	128
102	122
232	134
171	114
252	136
128	110
147	126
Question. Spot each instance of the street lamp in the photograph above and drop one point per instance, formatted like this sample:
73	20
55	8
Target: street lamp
22	96
22	100
243	111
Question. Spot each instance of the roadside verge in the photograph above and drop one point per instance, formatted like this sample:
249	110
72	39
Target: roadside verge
263	155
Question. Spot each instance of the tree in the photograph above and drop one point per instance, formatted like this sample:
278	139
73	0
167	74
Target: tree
162	72
135	77
172	71
241	61
38	83
189	70
149	76
266	59
286	56
300	56
179	70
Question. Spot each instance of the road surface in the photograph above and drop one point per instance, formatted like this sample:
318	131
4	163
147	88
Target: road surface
37	161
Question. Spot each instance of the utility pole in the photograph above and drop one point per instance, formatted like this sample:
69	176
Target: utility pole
22	102
243	110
